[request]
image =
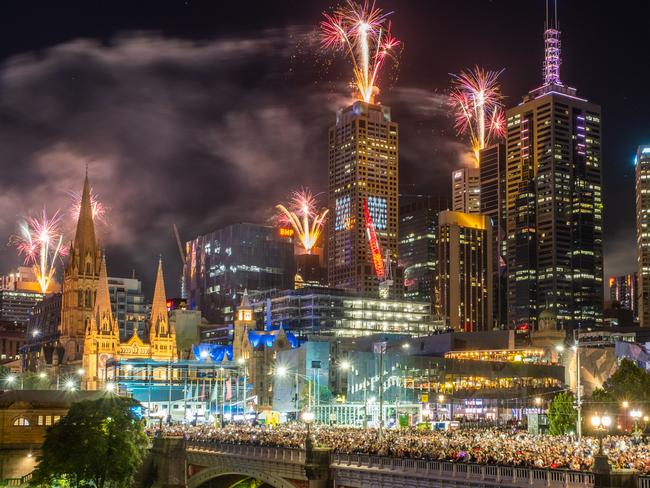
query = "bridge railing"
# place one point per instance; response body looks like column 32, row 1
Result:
column 508, row 475
column 282, row 454
column 644, row 482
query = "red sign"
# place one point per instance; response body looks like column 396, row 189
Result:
column 375, row 251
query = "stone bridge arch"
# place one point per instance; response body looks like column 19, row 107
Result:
column 224, row 469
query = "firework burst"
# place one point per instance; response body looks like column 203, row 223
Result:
column 98, row 209
column 303, row 216
column 477, row 103
column 41, row 243
column 362, row 32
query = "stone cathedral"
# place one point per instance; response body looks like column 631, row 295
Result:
column 89, row 334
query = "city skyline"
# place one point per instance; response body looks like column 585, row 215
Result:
column 188, row 104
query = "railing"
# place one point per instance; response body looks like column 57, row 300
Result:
column 508, row 475
column 16, row 481
column 283, row 454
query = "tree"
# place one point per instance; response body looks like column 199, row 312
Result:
column 98, row 443
column 562, row 415
column 629, row 382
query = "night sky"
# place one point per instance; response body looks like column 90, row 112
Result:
column 208, row 113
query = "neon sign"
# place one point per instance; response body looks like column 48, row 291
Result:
column 375, row 251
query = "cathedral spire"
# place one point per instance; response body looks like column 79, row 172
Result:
column 103, row 312
column 85, row 242
column 159, row 321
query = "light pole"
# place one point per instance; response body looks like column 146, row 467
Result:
column 282, row 372
column 601, row 424
column 576, row 350
column 636, row 415
column 308, row 418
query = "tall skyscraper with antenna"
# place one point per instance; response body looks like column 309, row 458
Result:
column 554, row 200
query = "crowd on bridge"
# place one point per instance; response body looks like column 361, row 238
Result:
column 483, row 446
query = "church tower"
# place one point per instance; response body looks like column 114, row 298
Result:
column 80, row 281
column 102, row 336
column 162, row 335
column 243, row 323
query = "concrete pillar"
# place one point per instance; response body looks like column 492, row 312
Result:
column 616, row 479
column 169, row 460
column 317, row 467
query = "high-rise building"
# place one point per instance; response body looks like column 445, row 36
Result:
column 493, row 205
column 466, row 190
column 643, row 232
column 554, row 202
column 623, row 290
column 465, row 256
column 129, row 306
column 418, row 245
column 24, row 279
column 222, row 264
column 17, row 306
column 363, row 170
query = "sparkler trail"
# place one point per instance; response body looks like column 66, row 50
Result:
column 41, row 242
column 477, row 103
column 362, row 32
column 302, row 215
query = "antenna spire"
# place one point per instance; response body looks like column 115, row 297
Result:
column 552, row 45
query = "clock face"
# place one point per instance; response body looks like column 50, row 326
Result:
column 102, row 359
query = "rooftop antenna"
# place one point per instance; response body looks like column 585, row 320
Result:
column 552, row 45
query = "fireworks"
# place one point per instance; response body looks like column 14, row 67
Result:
column 363, row 33
column 477, row 103
column 40, row 241
column 99, row 211
column 302, row 215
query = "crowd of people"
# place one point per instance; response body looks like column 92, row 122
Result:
column 483, row 446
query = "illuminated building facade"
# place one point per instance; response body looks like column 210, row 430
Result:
column 79, row 282
column 466, row 190
column 129, row 306
column 418, row 245
column 17, row 306
column 363, row 167
column 465, row 256
column 222, row 264
column 554, row 202
column 335, row 312
column 643, row 232
column 493, row 205
column 102, row 343
column 623, row 290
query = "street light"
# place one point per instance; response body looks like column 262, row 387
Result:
column 69, row 385
column 345, row 365
column 625, row 404
column 81, row 371
column 110, row 387
column 308, row 418
column 601, row 424
column 281, row 371
column 42, row 375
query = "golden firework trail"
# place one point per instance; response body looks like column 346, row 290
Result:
column 303, row 217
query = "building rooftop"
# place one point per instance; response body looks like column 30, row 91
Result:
column 48, row 398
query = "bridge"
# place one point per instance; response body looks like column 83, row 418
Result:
column 181, row 463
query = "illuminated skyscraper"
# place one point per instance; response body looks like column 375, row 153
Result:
column 363, row 163
column 624, row 291
column 465, row 256
column 466, row 190
column 493, row 206
column 554, row 202
column 418, row 245
column 643, row 232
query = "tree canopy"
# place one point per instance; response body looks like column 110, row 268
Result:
column 97, row 444
column 629, row 383
column 562, row 415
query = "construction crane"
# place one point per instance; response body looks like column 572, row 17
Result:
column 182, row 256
